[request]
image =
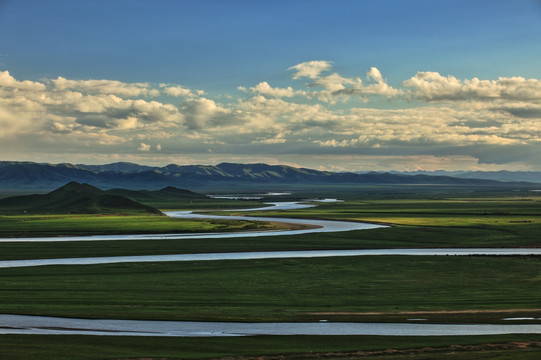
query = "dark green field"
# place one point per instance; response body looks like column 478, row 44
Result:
column 504, row 347
column 373, row 288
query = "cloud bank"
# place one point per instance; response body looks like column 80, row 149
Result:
column 321, row 114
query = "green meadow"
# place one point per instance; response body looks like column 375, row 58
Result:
column 416, row 220
column 92, row 224
column 503, row 347
column 366, row 288
column 447, row 289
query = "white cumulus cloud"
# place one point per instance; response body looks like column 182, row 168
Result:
column 144, row 147
column 263, row 88
column 323, row 116
column 202, row 113
column 106, row 87
column 310, row 69
column 177, row 91
column 432, row 86
column 374, row 74
column 8, row 81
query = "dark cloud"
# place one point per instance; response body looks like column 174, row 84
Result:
column 525, row 113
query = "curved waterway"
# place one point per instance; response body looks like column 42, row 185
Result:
column 39, row 325
column 281, row 205
column 266, row 255
column 316, row 226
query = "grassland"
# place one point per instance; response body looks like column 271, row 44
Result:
column 436, row 220
column 458, row 211
column 505, row 347
column 91, row 224
column 393, row 288
column 82, row 209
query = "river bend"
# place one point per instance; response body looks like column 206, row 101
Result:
column 315, row 226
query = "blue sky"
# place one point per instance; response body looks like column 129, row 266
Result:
column 338, row 85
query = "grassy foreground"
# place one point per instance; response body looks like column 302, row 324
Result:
column 373, row 288
column 504, row 347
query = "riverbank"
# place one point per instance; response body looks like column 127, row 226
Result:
column 64, row 347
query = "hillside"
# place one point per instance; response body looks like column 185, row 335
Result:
column 169, row 193
column 27, row 175
column 168, row 197
column 74, row 198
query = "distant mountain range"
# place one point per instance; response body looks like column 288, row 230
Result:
column 29, row 175
column 514, row 176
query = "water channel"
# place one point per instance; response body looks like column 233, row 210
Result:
column 41, row 325
column 266, row 255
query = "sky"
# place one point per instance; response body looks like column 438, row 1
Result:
column 332, row 85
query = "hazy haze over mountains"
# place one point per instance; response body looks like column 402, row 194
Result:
column 528, row 176
column 21, row 175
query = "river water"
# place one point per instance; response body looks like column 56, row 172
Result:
column 265, row 255
column 22, row 324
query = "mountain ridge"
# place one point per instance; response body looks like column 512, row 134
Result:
column 20, row 175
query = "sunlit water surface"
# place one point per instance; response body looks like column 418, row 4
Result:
column 20, row 324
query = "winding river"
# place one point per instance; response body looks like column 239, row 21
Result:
column 315, row 226
column 265, row 255
column 22, row 324
column 41, row 325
